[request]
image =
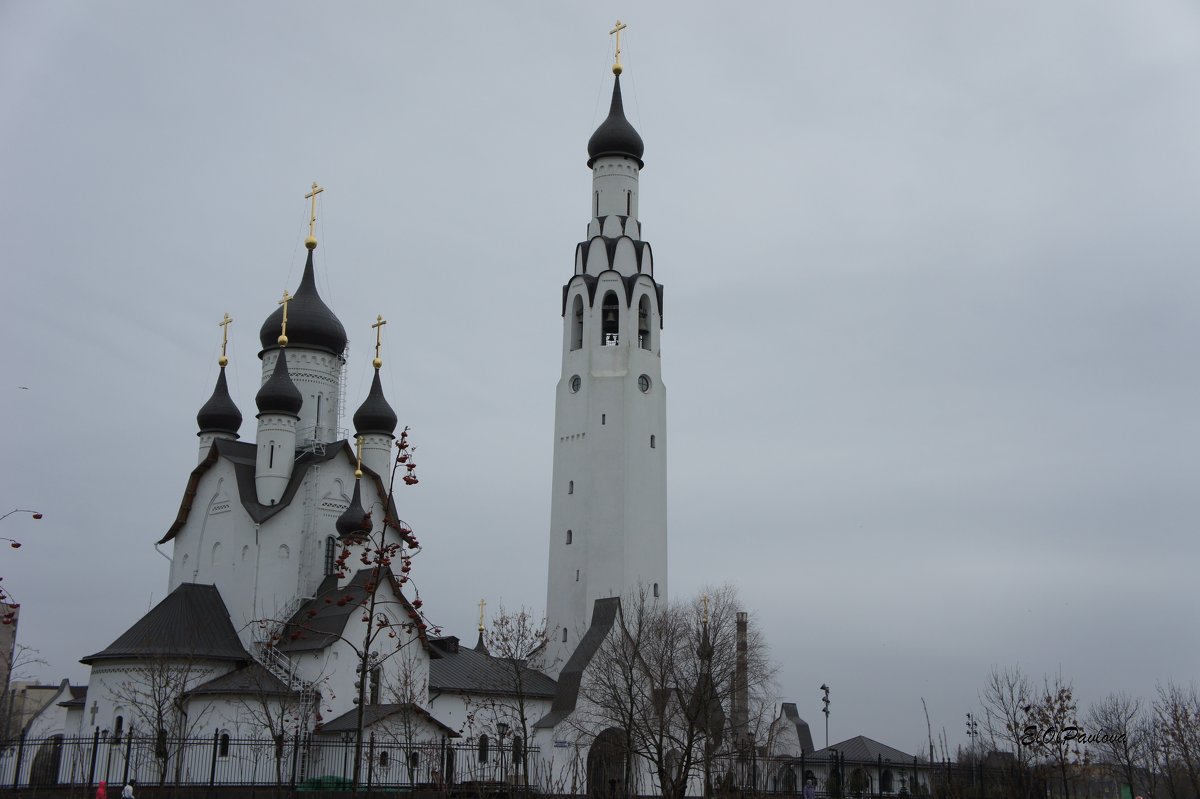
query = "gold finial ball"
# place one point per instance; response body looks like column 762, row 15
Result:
column 616, row 69
column 283, row 341
column 222, row 361
column 357, row 473
column 311, row 242
column 377, row 362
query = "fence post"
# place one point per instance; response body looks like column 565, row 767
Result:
column 92, row 768
column 212, row 770
column 128, row 754
column 20, row 756
column 295, row 756
column 370, row 761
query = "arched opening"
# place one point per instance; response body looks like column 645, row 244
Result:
column 786, row 779
column 651, row 441
column 330, row 555
column 656, row 590
column 564, row 635
column 385, row 759
column 483, row 749
column 223, row 745
column 610, row 324
column 577, row 323
column 118, row 728
column 606, row 778
column 859, row 783
column 886, row 781
column 47, row 761
column 644, row 339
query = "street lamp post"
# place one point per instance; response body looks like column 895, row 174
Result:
column 825, row 688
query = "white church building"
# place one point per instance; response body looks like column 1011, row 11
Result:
column 288, row 626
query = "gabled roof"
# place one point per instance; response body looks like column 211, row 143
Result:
column 462, row 670
column 242, row 454
column 604, row 615
column 78, row 694
column 373, row 714
column 252, row 679
column 320, row 621
column 192, row 622
column 862, row 749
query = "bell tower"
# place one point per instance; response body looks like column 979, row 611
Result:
column 608, row 512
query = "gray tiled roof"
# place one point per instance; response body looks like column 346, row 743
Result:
column 252, row 679
column 862, row 749
column 320, row 621
column 373, row 714
column 471, row 671
column 192, row 622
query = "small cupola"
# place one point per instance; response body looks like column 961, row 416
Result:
column 279, row 394
column 219, row 415
column 615, row 136
column 375, row 415
column 354, row 521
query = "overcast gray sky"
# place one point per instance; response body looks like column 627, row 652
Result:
column 931, row 334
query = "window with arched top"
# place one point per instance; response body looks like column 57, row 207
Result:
column 223, row 745
column 656, row 589
column 564, row 635
column 644, row 332
column 118, row 728
column 569, row 536
column 885, row 781
column 577, row 323
column 610, row 320
column 483, row 748
column 385, row 759
column 570, row 486
column 330, row 555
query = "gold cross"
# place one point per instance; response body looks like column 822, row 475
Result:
column 283, row 328
column 224, row 325
column 379, row 323
column 617, row 58
column 482, row 605
column 312, row 217
column 358, row 445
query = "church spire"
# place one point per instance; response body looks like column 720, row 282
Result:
column 375, row 421
column 616, row 136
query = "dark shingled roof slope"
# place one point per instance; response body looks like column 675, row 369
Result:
column 462, row 670
column 192, row 622
column 252, row 679
column 862, row 749
column 604, row 615
column 372, row 714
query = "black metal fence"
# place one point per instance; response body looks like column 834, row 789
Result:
column 305, row 762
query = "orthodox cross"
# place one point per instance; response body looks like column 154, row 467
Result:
column 617, row 58
column 482, row 605
column 224, row 325
column 378, row 326
column 95, row 710
column 312, row 217
column 283, row 330
column 705, row 600
column 358, row 445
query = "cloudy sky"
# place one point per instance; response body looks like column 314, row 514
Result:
column 932, row 324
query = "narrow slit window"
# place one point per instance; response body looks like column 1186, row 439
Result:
column 628, row 203
column 603, row 418
column 564, row 635
column 271, row 456
column 577, row 575
column 568, row 537
column 570, row 486
column 223, row 748
column 651, row 441
column 656, row 589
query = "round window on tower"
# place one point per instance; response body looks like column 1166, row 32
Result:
column 576, row 382
column 644, row 383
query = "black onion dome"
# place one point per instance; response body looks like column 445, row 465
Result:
column 279, row 394
column 354, row 520
column 310, row 323
column 219, row 414
column 616, row 136
column 375, row 415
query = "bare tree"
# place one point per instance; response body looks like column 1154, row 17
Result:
column 1177, row 710
column 513, row 638
column 154, row 691
column 1006, row 698
column 667, row 678
column 1118, row 735
column 1053, row 729
column 15, row 665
